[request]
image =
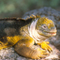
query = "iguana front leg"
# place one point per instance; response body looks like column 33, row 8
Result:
column 44, row 45
column 26, row 48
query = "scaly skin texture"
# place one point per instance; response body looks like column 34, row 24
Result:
column 27, row 36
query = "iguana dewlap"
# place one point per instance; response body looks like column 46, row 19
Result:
column 25, row 35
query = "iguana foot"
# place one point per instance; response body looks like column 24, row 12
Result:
column 45, row 46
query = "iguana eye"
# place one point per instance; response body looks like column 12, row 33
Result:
column 44, row 26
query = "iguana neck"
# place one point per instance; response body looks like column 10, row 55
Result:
column 33, row 32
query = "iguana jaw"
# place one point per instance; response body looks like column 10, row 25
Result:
column 52, row 33
column 48, row 33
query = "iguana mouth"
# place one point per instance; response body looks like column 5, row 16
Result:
column 52, row 32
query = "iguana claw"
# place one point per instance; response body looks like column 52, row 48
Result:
column 45, row 46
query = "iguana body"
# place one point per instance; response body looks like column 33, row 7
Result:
column 25, row 35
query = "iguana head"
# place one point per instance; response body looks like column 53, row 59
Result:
column 46, row 27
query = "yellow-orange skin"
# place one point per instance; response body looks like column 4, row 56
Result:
column 24, row 44
column 46, row 21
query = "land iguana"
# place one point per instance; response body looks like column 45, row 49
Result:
column 27, row 35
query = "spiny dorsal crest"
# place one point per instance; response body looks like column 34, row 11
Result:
column 33, row 17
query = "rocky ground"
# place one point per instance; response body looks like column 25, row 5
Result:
column 10, row 54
